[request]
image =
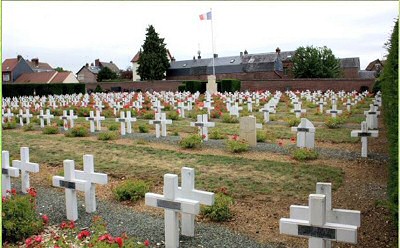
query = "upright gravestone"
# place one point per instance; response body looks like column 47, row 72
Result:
column 211, row 84
column 305, row 134
column 265, row 110
column 25, row 166
column 372, row 117
column 172, row 205
column 364, row 133
column 122, row 120
column 203, row 125
column 248, row 130
column 6, row 173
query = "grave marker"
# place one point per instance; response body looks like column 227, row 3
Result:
column 334, row 111
column 25, row 166
column 7, row 172
column 247, row 130
column 203, row 125
column 364, row 133
column 305, row 134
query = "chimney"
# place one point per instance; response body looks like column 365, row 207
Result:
column 97, row 62
column 277, row 50
column 110, row 62
column 245, row 52
column 19, row 57
column 215, row 55
column 35, row 61
column 173, row 59
column 199, row 54
column 241, row 54
column 194, row 58
column 87, row 65
column 91, row 64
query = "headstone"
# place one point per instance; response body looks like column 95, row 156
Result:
column 321, row 104
column 91, row 121
column 122, row 120
column 249, row 104
column 93, row 178
column 265, row 110
column 6, row 173
column 372, row 117
column 211, row 84
column 248, row 130
column 297, row 110
column 334, row 111
column 305, row 134
column 172, row 205
column 25, row 166
column 348, row 104
column 98, row 120
column 364, row 133
column 234, row 110
column 203, row 125
column 71, row 185
column 317, row 227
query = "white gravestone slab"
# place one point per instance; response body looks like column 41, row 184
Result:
column 25, row 166
column 98, row 120
column 372, row 117
column 211, row 84
column 364, row 133
column 248, row 132
column 305, row 134
column 203, row 125
column 316, row 227
column 187, row 191
column 71, row 185
column 7, row 172
column 172, row 205
column 348, row 104
column 93, row 178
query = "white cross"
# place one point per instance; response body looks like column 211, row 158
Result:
column 203, row 125
column 321, row 104
column 317, row 227
column 334, row 111
column 207, row 105
column 25, row 166
column 122, row 120
column 91, row 121
column 372, row 117
column 265, row 110
column 364, row 133
column 249, row 104
column 7, row 115
column 99, row 106
column 6, row 173
column 172, row 205
column 160, row 120
column 228, row 102
column 71, row 185
column 181, row 108
column 157, row 106
column 348, row 104
column 297, row 110
column 93, row 178
column 98, row 120
column 187, row 191
column 27, row 116
column 305, row 134
column 46, row 117
column 234, row 110
column 71, row 117
column 117, row 107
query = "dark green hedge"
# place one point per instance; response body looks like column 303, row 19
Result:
column 390, row 89
column 10, row 90
column 230, row 85
column 182, row 88
column 194, row 85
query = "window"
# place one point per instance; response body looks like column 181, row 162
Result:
column 6, row 77
column 81, row 77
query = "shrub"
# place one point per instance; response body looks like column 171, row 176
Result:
column 311, row 105
column 193, row 86
column 191, row 141
column 10, row 90
column 108, row 136
column 10, row 125
column 149, row 115
column 143, row 128
column 19, row 218
column 226, row 118
column 303, row 154
column 83, row 111
column 50, row 130
column 230, row 85
column 131, row 190
column 261, row 136
column 175, row 133
column 220, row 211
column 237, row 146
column 77, row 131
column 28, row 127
column 108, row 113
column 216, row 134
column 113, row 127
column 292, row 122
column 182, row 88
column 173, row 115
column 333, row 122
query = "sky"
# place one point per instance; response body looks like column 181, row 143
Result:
column 71, row 34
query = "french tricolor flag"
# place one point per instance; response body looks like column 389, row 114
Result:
column 206, row 16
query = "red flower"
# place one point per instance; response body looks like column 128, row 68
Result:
column 28, row 242
column 38, row 239
column 45, row 219
column 106, row 237
column 146, row 242
column 235, row 137
column 63, row 225
column 13, row 191
column 56, row 246
column 32, row 192
column 3, row 199
column 83, row 234
column 119, row 241
column 71, row 225
column 292, row 139
column 203, row 136
column 280, row 143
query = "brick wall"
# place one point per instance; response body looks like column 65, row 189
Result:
column 251, row 85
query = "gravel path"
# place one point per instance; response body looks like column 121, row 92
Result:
column 120, row 218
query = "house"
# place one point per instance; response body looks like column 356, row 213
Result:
column 39, row 66
column 47, row 77
column 375, row 65
column 245, row 66
column 13, row 68
column 88, row 74
column 135, row 64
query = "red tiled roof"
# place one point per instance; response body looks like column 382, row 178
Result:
column 9, row 64
column 35, row 77
column 136, row 57
column 60, row 77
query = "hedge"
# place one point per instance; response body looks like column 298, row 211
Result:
column 390, row 89
column 11, row 90
column 230, row 85
column 194, row 85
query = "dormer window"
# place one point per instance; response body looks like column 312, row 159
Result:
column 232, row 60
column 184, row 65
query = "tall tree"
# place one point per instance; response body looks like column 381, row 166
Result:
column 153, row 61
column 315, row 62
column 106, row 73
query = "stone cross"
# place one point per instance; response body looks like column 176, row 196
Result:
column 6, row 173
column 190, row 103
column 157, row 106
column 234, row 110
column 71, row 117
column 181, row 109
column 99, row 106
column 203, row 125
column 372, row 117
column 71, row 185
column 265, row 110
column 172, row 205
column 228, row 101
column 334, row 111
column 93, row 178
column 7, row 115
column 122, row 120
column 317, row 226
column 297, row 110
column 117, row 107
column 98, row 120
column 46, row 117
column 348, row 104
column 160, row 120
column 364, row 133
column 321, row 104
column 187, row 191
column 27, row 116
column 25, row 166
column 207, row 105
column 248, row 130
column 305, row 134
column 91, row 121
column 249, row 104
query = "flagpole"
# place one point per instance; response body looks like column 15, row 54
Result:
column 212, row 41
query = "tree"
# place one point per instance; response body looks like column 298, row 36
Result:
column 153, row 61
column 390, row 106
column 59, row 69
column 106, row 73
column 315, row 62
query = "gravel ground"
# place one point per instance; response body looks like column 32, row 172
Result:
column 120, row 218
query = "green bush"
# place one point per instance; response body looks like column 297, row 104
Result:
column 173, row 115
column 19, row 218
column 28, row 127
column 77, row 131
column 261, row 136
column 10, row 125
column 230, row 85
column 148, row 115
column 220, row 211
column 107, row 136
column 50, row 130
column 11, row 90
column 143, row 128
column 334, row 122
column 182, row 88
column 293, row 122
column 226, row 118
column 303, row 154
column 216, row 134
column 193, row 86
column 237, row 146
column 311, row 105
column 113, row 127
column 191, row 141
column 131, row 190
